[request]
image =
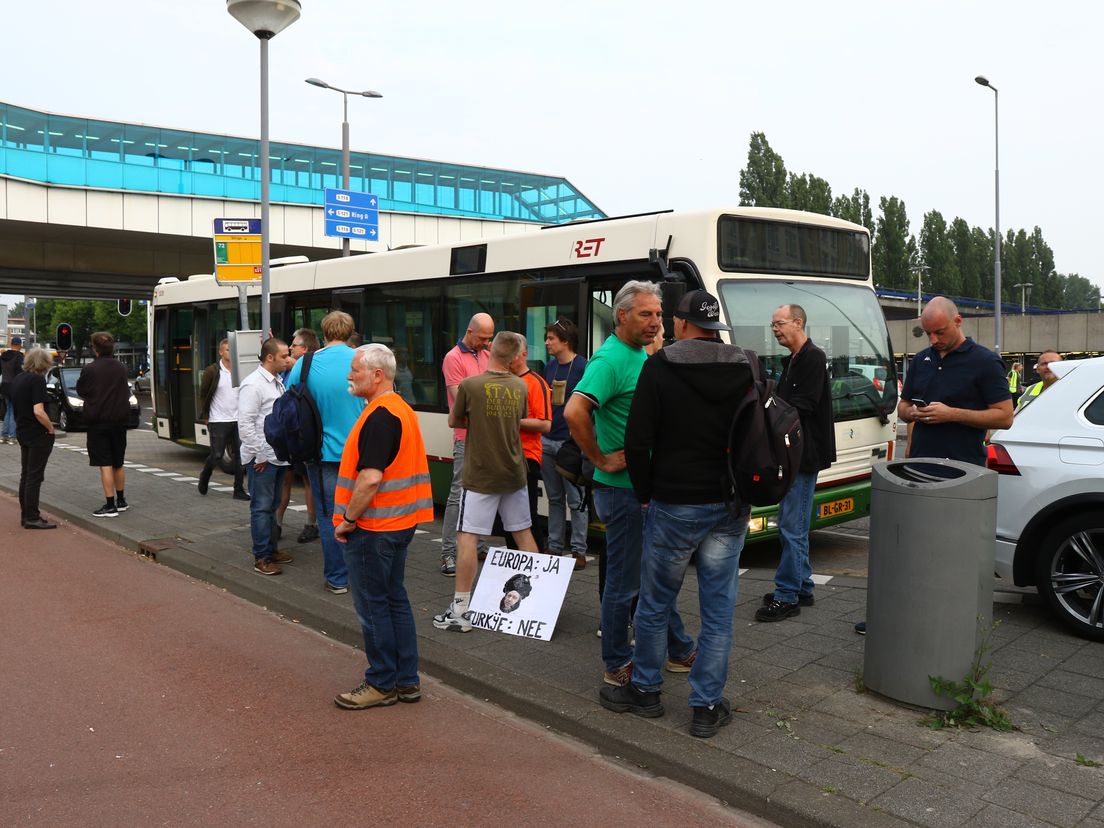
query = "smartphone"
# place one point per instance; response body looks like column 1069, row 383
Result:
column 919, row 403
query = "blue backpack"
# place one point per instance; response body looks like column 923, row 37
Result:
column 294, row 428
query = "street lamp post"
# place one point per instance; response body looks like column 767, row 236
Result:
column 1023, row 286
column 918, row 268
column 266, row 19
column 984, row 81
column 345, row 93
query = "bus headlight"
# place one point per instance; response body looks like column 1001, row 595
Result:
column 757, row 525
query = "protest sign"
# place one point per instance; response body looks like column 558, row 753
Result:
column 520, row 593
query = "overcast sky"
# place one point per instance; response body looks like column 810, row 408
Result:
column 642, row 105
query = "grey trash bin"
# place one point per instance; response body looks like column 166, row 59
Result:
column 932, row 529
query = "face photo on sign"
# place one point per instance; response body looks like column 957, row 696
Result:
column 514, row 591
column 520, row 593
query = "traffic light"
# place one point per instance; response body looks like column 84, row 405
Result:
column 64, row 336
column 124, row 307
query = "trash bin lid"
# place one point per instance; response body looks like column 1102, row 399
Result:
column 936, row 477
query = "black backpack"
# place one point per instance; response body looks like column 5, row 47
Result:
column 294, row 428
column 764, row 444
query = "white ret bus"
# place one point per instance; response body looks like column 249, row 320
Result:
column 418, row 301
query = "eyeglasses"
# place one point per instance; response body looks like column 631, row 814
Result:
column 776, row 325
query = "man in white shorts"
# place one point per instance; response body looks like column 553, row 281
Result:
column 491, row 407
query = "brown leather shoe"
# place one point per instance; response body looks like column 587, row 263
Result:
column 411, row 694
column 281, row 557
column 619, row 677
column 580, row 561
column 265, row 566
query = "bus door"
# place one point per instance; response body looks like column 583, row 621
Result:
column 182, row 391
column 542, row 303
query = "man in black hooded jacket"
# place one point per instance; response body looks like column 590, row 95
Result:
column 675, row 446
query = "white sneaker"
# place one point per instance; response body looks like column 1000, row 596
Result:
column 447, row 621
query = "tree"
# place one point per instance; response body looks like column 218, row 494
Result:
column 970, row 260
column 891, row 244
column 88, row 316
column 810, row 193
column 1080, row 293
column 763, row 180
column 938, row 254
column 855, row 208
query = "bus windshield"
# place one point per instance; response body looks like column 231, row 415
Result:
column 844, row 321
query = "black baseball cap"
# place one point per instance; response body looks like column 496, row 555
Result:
column 701, row 308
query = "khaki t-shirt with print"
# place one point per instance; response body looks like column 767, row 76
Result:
column 494, row 404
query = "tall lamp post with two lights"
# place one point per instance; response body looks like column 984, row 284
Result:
column 984, row 81
column 265, row 19
column 345, row 93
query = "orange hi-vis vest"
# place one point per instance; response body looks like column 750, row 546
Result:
column 404, row 498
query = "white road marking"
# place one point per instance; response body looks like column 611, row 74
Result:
column 150, row 469
column 821, row 579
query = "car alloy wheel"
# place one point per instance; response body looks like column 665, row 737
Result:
column 1070, row 573
column 63, row 420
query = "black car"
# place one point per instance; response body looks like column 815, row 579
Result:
column 64, row 405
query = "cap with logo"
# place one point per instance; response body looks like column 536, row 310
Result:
column 701, row 308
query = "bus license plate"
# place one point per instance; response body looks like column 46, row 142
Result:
column 834, row 508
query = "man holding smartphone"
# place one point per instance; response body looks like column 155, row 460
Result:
column 955, row 390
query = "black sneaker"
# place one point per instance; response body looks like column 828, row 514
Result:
column 106, row 511
column 777, row 611
column 628, row 699
column 204, row 481
column 803, row 599
column 860, row 628
column 241, row 496
column 309, row 533
column 708, row 720
column 121, row 505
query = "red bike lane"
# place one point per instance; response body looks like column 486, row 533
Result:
column 132, row 694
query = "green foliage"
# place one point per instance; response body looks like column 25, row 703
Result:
column 938, row 254
column 891, row 245
column 88, row 316
column 1085, row 762
column 763, row 181
column 959, row 257
column 971, row 695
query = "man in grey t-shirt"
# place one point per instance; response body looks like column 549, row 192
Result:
column 491, row 407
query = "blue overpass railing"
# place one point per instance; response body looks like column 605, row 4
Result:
column 83, row 152
column 964, row 302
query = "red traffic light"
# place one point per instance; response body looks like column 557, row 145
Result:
column 64, row 336
column 124, row 307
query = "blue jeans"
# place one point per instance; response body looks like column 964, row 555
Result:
column 265, row 488
column 9, row 420
column 560, row 492
column 377, row 564
column 672, row 533
column 624, row 518
column 795, row 512
column 452, row 506
column 323, row 483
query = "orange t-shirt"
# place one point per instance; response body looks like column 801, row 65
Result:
column 540, row 408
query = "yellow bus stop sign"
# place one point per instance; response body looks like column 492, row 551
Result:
column 237, row 251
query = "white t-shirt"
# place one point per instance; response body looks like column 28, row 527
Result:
column 224, row 405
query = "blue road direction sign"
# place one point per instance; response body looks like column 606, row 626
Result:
column 352, row 215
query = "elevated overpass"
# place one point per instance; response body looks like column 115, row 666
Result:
column 92, row 208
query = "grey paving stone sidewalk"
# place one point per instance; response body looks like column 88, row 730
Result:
column 805, row 746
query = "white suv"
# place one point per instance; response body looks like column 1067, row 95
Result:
column 1050, row 496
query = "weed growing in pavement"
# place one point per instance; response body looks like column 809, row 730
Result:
column 975, row 708
column 829, row 789
column 782, row 722
column 1086, row 762
column 860, row 685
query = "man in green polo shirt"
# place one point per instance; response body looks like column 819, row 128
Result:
column 605, row 392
